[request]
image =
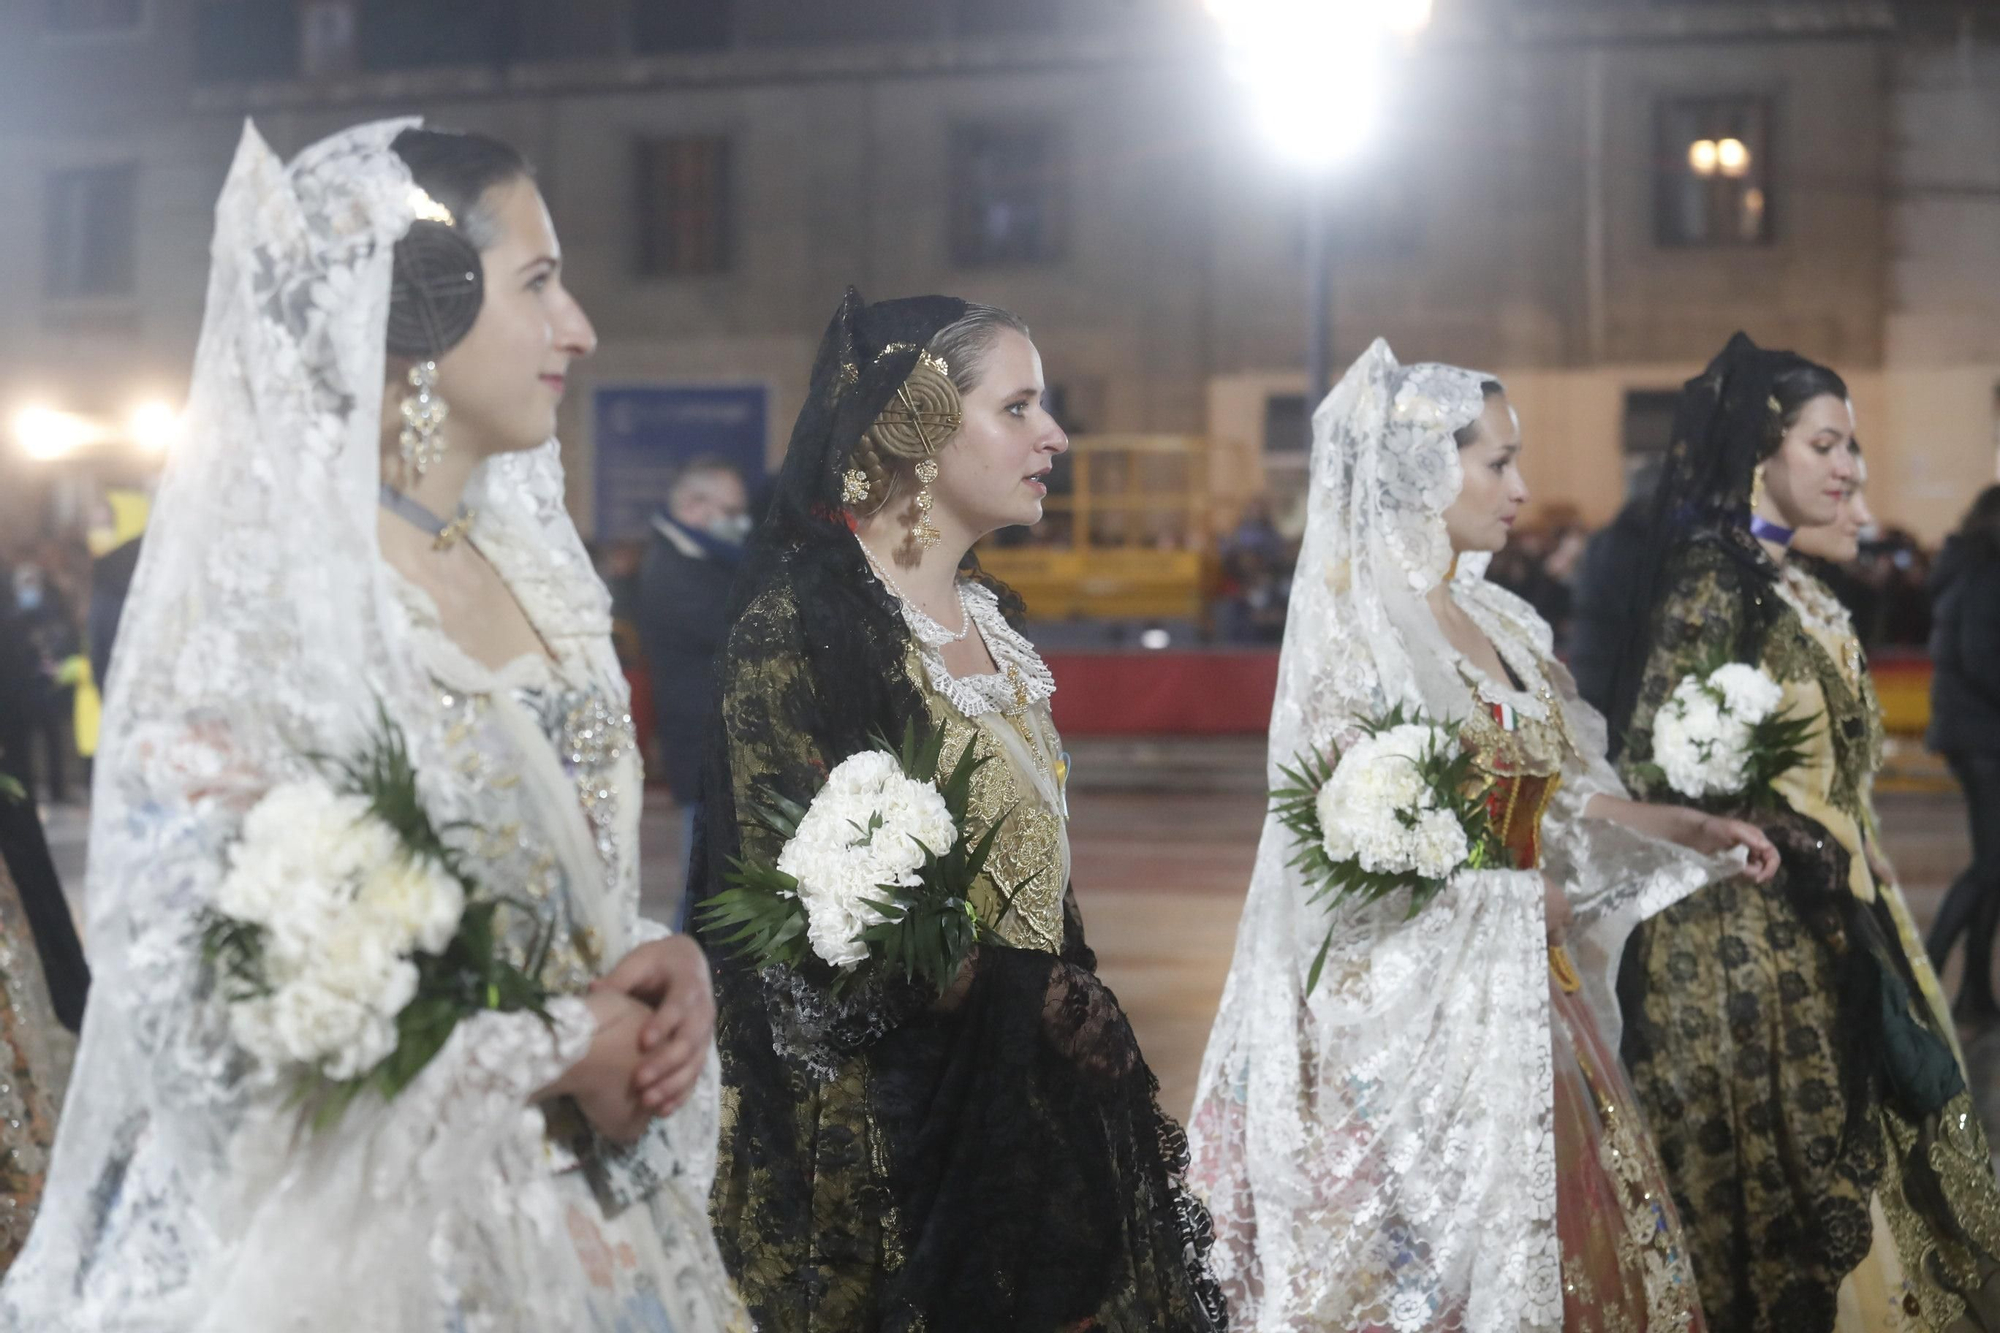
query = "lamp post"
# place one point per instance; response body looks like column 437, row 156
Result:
column 1319, row 298
column 1313, row 70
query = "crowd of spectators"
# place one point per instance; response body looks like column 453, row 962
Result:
column 1573, row 575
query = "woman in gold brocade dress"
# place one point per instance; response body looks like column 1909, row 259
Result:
column 1788, row 1041
column 1436, row 1137
column 892, row 1158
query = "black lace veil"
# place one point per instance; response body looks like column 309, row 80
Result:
column 1014, row 1141
column 1728, row 421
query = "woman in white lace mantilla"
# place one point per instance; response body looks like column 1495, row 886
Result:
column 1438, row 1137
column 326, row 545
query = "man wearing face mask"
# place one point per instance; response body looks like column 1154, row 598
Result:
column 48, row 636
column 682, row 613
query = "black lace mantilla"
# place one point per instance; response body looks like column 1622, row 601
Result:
column 894, row 1161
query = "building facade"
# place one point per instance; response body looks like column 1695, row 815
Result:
column 1585, row 197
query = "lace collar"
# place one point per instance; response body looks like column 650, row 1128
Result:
column 1815, row 602
column 1825, row 618
column 1537, row 701
column 1023, row 679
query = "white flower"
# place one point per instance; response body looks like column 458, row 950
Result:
column 864, row 834
column 342, row 906
column 1748, row 692
column 359, row 959
column 418, row 897
column 1702, row 737
column 308, row 820
column 318, row 1027
column 1440, row 844
column 1378, row 785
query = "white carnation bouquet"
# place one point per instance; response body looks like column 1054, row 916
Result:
column 346, row 938
column 877, row 868
column 1721, row 736
column 1399, row 808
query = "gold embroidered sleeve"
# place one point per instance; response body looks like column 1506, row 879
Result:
column 764, row 689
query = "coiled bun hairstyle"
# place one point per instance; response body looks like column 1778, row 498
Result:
column 890, row 449
column 438, row 282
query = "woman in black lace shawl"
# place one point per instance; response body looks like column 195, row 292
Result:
column 991, row 1159
column 1806, row 1095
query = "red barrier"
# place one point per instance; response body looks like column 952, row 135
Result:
column 1164, row 693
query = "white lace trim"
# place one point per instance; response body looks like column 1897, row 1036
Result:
column 1513, row 649
column 1023, row 679
column 1815, row 603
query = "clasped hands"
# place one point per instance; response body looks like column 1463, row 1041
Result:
column 655, row 1013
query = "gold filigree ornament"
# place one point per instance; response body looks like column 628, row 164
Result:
column 854, row 487
column 924, row 414
column 925, row 533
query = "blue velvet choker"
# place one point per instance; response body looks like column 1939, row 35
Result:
column 1765, row 530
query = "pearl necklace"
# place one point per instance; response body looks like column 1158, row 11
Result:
column 964, row 611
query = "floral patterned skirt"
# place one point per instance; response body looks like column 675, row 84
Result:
column 1625, row 1264
column 652, row 1268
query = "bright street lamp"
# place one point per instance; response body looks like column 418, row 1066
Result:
column 44, row 433
column 1315, row 72
column 154, row 426
column 1314, row 68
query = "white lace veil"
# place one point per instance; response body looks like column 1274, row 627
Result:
column 261, row 626
column 1380, row 1152
column 1384, row 469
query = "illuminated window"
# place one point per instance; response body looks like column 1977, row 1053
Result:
column 1712, row 171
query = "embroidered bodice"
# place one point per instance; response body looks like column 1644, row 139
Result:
column 1022, row 786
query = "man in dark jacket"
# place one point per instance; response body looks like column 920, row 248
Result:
column 1602, row 614
column 682, row 614
column 1965, row 729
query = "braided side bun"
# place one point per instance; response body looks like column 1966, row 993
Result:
column 915, row 425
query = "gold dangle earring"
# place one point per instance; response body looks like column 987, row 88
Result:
column 925, row 534
column 924, row 415
column 854, row 488
column 424, row 412
column 1757, row 489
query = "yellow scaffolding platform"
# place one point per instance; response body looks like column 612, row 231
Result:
column 1129, row 539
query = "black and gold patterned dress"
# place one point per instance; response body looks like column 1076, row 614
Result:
column 1788, row 1041
column 992, row 1159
